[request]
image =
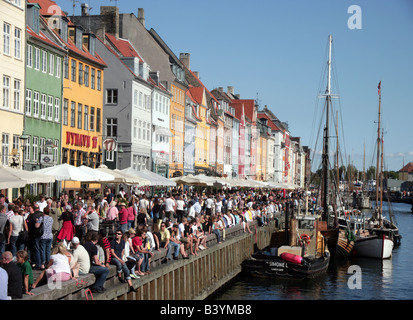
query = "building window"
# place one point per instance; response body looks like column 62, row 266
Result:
column 92, row 78
column 28, row 102
column 56, row 151
column 17, row 43
column 29, row 57
column 66, row 67
column 51, row 64
column 97, row 120
column 17, row 94
column 111, row 96
column 110, row 156
column 140, row 99
column 36, row 58
column 72, row 114
column 35, row 149
column 56, row 109
column 79, row 115
column 140, row 130
column 5, row 149
column 44, row 61
column 86, row 76
column 58, row 66
column 112, row 127
column 27, row 147
column 65, row 111
column 148, row 131
column 92, row 119
column 6, row 38
column 144, row 131
column 86, row 118
column 99, row 84
column 80, row 73
column 36, row 97
column 6, row 92
column 73, row 70
column 43, row 107
column 50, row 108
column 135, row 125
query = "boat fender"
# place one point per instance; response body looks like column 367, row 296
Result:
column 291, row 257
column 305, row 238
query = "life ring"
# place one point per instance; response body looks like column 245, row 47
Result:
column 306, row 238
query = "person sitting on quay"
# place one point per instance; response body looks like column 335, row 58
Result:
column 179, row 247
column 137, row 245
column 165, row 241
column 15, row 279
column 26, row 270
column 117, row 251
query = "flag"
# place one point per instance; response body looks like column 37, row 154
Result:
column 379, row 87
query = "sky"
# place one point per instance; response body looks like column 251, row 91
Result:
column 276, row 52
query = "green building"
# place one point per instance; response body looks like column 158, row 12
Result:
column 43, row 95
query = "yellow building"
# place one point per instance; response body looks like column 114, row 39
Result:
column 202, row 134
column 177, row 125
column 12, row 73
column 83, row 94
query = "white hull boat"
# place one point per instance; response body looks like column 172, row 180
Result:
column 374, row 247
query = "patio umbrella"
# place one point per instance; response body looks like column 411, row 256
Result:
column 146, row 180
column 66, row 172
column 165, row 181
column 99, row 176
column 16, row 178
column 120, row 177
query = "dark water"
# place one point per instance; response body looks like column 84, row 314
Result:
column 380, row 280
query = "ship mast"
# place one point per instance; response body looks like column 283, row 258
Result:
column 326, row 133
column 378, row 155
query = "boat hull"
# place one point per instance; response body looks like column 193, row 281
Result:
column 374, row 247
column 264, row 265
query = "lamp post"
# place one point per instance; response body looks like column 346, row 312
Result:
column 23, row 139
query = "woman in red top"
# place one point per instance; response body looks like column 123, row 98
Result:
column 123, row 217
column 131, row 215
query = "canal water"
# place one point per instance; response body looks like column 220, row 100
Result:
column 374, row 280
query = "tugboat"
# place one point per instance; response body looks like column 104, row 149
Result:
column 303, row 253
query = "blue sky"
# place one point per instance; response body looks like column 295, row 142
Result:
column 276, row 51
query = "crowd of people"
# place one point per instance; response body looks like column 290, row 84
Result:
column 70, row 236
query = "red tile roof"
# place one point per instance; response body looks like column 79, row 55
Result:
column 407, row 168
column 271, row 124
column 48, row 8
column 197, row 93
column 42, row 37
column 124, row 47
column 249, row 106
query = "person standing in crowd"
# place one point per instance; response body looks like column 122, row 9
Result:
column 18, row 224
column 15, row 282
column 180, row 208
column 92, row 219
column 99, row 270
column 79, row 220
column 56, row 213
column 170, row 207
column 67, row 231
column 46, row 238
column 131, row 215
column 123, row 217
column 42, row 203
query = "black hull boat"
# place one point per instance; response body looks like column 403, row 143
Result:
column 285, row 266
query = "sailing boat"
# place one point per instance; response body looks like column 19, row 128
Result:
column 376, row 241
column 338, row 242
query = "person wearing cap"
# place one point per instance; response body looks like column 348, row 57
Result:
column 123, row 217
column 80, row 256
column 68, row 230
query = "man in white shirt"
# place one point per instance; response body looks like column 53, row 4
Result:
column 208, row 205
column 170, row 205
column 42, row 203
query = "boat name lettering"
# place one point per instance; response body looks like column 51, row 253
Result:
column 277, row 264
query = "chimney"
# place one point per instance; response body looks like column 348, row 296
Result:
column 85, row 9
column 230, row 90
column 141, row 16
column 220, row 89
column 110, row 19
column 185, row 59
column 196, row 73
